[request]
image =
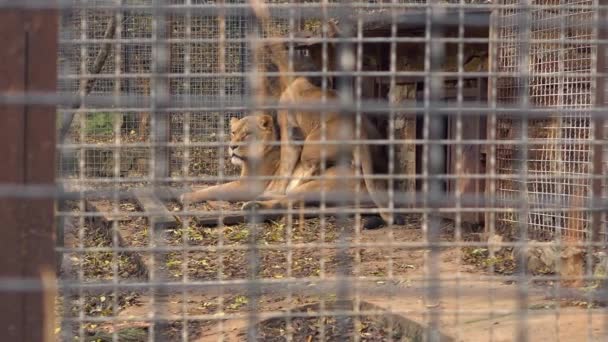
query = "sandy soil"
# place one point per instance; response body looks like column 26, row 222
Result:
column 472, row 305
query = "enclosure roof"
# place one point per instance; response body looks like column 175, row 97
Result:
column 378, row 23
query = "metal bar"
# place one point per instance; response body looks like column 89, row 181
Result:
column 159, row 163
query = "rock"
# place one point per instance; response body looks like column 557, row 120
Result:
column 600, row 271
column 572, row 266
column 546, row 258
column 538, row 259
column 399, row 123
column 494, row 244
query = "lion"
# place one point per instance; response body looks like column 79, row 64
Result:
column 252, row 149
column 306, row 125
column 298, row 160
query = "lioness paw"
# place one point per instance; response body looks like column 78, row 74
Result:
column 373, row 222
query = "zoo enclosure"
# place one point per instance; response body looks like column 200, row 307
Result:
column 120, row 140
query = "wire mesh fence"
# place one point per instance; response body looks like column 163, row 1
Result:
column 325, row 170
column 563, row 147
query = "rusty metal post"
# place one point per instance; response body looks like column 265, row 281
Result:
column 598, row 124
column 27, row 146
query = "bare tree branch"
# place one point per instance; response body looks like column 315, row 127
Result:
column 88, row 84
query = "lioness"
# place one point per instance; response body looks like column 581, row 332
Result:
column 249, row 145
column 254, row 128
column 297, row 124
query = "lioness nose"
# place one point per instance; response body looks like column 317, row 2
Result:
column 234, row 147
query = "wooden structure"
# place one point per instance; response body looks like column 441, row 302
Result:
column 27, row 147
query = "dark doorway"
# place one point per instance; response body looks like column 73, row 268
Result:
column 420, row 136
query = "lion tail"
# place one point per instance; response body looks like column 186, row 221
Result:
column 377, row 188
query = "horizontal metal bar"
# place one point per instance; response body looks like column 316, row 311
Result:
column 214, row 7
column 285, row 315
column 548, row 202
column 546, row 144
column 212, row 179
column 364, row 211
column 402, row 207
column 292, row 284
column 110, row 181
column 406, row 245
column 200, row 103
column 570, row 42
column 400, row 76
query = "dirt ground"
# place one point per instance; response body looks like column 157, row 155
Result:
column 473, row 305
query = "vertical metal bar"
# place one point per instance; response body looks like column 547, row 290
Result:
column 596, row 233
column 325, row 67
column 289, row 224
column 82, row 171
column 457, row 189
column 599, row 123
column 117, row 121
column 357, row 163
column 524, row 29
column 159, row 93
column 222, row 126
column 490, row 216
column 345, row 63
column 186, row 166
column 222, row 138
column 435, row 157
column 254, row 218
column 391, row 150
column 563, row 8
column 65, row 224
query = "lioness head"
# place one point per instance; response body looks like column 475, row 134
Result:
column 248, row 136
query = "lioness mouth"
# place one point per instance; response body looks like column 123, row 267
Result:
column 234, row 155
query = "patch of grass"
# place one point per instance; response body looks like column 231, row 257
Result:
column 195, row 235
column 237, row 302
column 200, row 265
column 237, row 234
column 101, row 304
column 366, row 328
column 100, row 123
column 134, row 334
column 275, row 232
column 502, row 261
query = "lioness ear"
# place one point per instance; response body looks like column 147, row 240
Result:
column 265, row 122
column 233, row 121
